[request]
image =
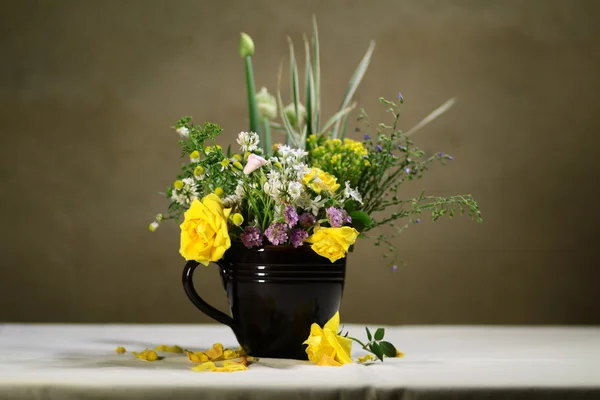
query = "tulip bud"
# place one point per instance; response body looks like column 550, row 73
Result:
column 266, row 103
column 246, row 45
column 254, row 163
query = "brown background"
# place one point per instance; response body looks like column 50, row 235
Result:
column 89, row 89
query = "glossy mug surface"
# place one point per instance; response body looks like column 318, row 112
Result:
column 275, row 293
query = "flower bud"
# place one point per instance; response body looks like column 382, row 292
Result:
column 246, row 45
column 219, row 192
column 266, row 104
column 254, row 163
column 237, row 219
column 178, row 184
column 183, row 131
column 194, row 156
column 290, row 112
column 153, row 226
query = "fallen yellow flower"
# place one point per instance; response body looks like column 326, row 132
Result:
column 147, row 355
column 169, row 349
column 120, row 350
column 198, row 357
column 326, row 347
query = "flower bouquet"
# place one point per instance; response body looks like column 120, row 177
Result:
column 280, row 210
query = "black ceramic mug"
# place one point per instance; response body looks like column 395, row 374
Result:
column 275, row 293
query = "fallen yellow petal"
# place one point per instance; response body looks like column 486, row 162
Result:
column 364, row 359
column 169, row 349
column 229, row 354
column 232, row 368
column 204, row 367
column 399, row 354
column 147, row 355
column 216, row 352
column 197, row 357
column 120, row 350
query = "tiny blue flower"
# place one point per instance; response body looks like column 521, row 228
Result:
column 417, row 221
column 407, row 170
column 367, row 137
column 450, row 157
column 394, row 268
column 401, row 98
column 378, row 148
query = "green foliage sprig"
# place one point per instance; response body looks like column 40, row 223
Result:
column 375, row 344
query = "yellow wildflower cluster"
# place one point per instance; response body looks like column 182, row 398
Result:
column 345, row 159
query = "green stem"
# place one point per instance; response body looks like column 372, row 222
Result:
column 252, row 108
column 267, row 136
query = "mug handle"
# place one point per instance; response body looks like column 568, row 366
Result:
column 188, row 286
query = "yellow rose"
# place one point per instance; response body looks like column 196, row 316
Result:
column 333, row 243
column 318, row 180
column 326, row 347
column 204, row 235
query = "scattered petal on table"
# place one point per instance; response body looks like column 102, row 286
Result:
column 147, row 355
column 230, row 354
column 169, row 349
column 365, row 358
column 198, row 357
column 216, row 352
column 120, row 350
column 399, row 354
column 205, row 367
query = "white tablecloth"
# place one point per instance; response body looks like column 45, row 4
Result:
column 79, row 362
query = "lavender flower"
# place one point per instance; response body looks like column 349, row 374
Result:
column 418, row 220
column 307, row 220
column 298, row 236
column 277, row 233
column 251, row 237
column 394, row 268
column 401, row 98
column 335, row 217
column 367, row 137
column 290, row 215
column 378, row 148
column 407, row 170
column 403, row 148
column 449, row 157
column 347, row 217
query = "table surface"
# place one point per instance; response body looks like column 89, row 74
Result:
column 446, row 362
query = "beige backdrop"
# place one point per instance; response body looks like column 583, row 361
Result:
column 89, row 89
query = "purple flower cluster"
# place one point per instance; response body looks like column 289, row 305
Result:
column 337, row 217
column 277, row 233
column 251, row 237
column 290, row 215
column 298, row 236
column 307, row 220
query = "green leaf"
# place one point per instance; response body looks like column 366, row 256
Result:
column 316, row 68
column 309, row 86
column 379, row 333
column 354, row 82
column 388, row 349
column 369, row 336
column 360, row 220
column 336, row 117
column 294, row 81
column 376, row 349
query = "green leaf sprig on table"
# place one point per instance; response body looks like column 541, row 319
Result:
column 376, row 345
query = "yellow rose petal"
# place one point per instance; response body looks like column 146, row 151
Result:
column 399, row 354
column 327, row 361
column 364, row 359
column 169, row 349
column 120, row 350
column 205, row 367
column 198, row 357
column 230, row 354
column 216, row 352
column 147, row 355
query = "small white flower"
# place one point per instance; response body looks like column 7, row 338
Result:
column 312, row 205
column 184, row 132
column 248, row 141
column 353, row 193
column 295, row 189
column 186, row 195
